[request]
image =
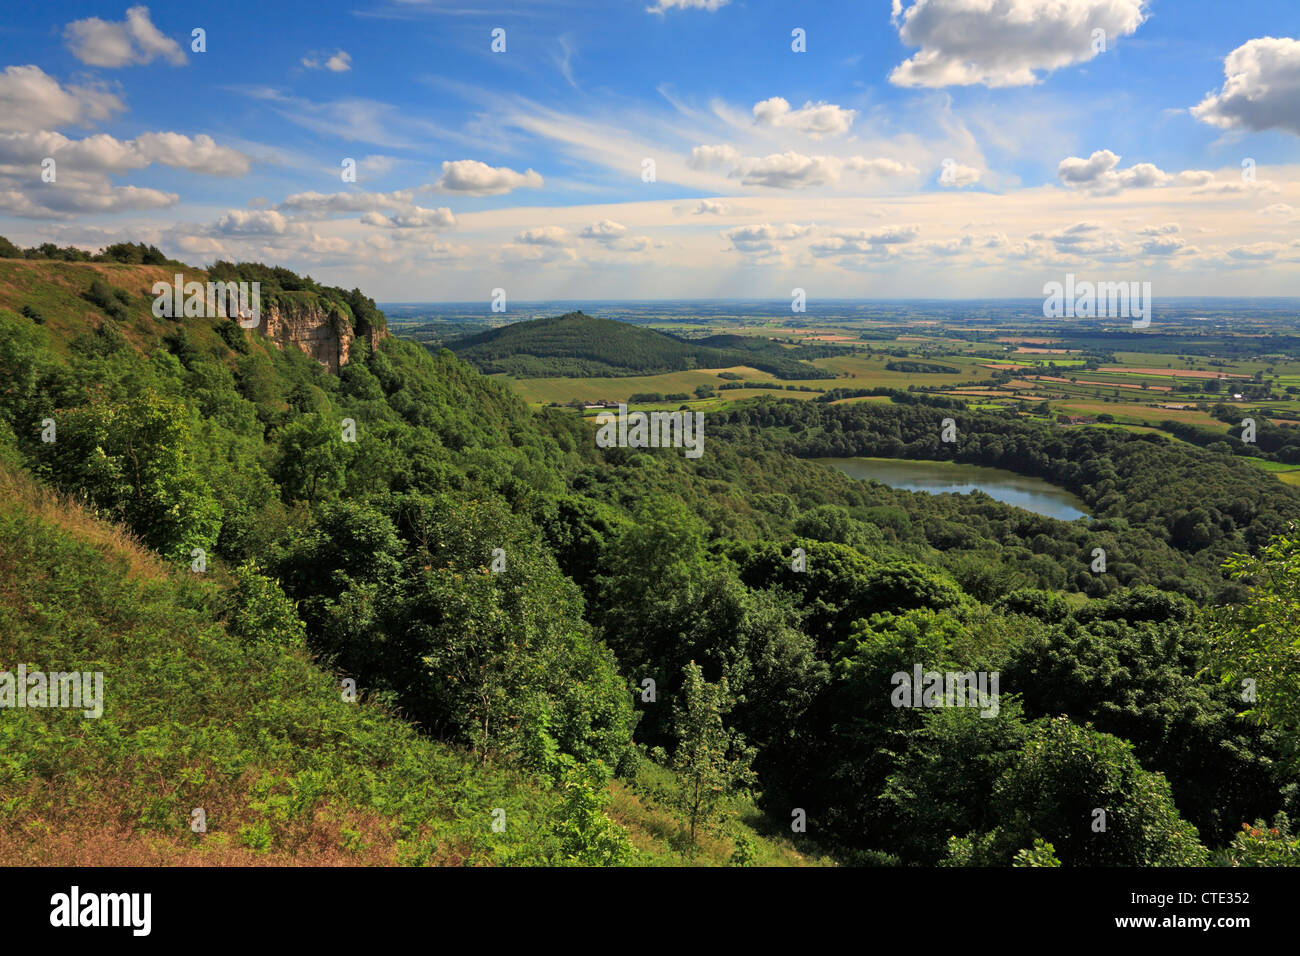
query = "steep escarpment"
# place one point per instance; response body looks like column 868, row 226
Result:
column 322, row 321
column 318, row 326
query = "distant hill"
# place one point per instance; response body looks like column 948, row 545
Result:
column 582, row 346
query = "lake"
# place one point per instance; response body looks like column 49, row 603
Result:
column 938, row 477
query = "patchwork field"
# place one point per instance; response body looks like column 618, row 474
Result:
column 1205, row 378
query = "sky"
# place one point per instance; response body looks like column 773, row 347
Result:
column 437, row 150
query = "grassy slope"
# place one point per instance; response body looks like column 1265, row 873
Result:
column 256, row 735
column 55, row 289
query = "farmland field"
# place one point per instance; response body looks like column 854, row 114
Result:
column 1196, row 376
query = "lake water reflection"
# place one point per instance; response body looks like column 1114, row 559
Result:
column 939, row 477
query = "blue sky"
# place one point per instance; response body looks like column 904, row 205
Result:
column 926, row 147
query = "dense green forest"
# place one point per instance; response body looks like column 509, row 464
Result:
column 553, row 626
column 582, row 346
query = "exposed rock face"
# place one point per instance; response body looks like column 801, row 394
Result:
column 316, row 326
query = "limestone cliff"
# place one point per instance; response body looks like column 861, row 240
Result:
column 317, row 326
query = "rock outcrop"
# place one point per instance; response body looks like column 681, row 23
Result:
column 315, row 325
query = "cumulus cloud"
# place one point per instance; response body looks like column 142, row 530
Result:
column 250, row 222
column 339, row 62
column 1082, row 239
column 199, row 154
column 761, row 239
column 704, row 157
column 133, row 42
column 32, row 100
column 1098, row 174
column 416, row 217
column 102, row 153
column 604, row 231
column 1003, row 42
column 791, row 170
column 815, row 119
column 83, row 168
column 613, row 236
column 1164, row 246
column 864, row 241
column 473, row 178
column 544, row 236
column 71, row 200
column 1261, row 88
column 1164, row 240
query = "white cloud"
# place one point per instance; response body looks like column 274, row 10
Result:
column 704, row 157
column 613, row 236
column 544, row 236
column 199, row 154
column 72, row 200
column 815, row 119
column 604, row 231
column 1086, row 239
column 250, row 222
column 864, row 241
column 416, row 217
column 83, row 167
column 789, row 170
column 31, row 100
column 878, row 166
column 479, row 179
column 1003, row 42
column 709, row 207
column 956, row 175
column 663, row 5
column 1164, row 246
column 102, row 153
column 323, row 205
column 761, row 240
column 133, row 42
column 339, row 62
column 1098, row 174
column 1261, row 88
